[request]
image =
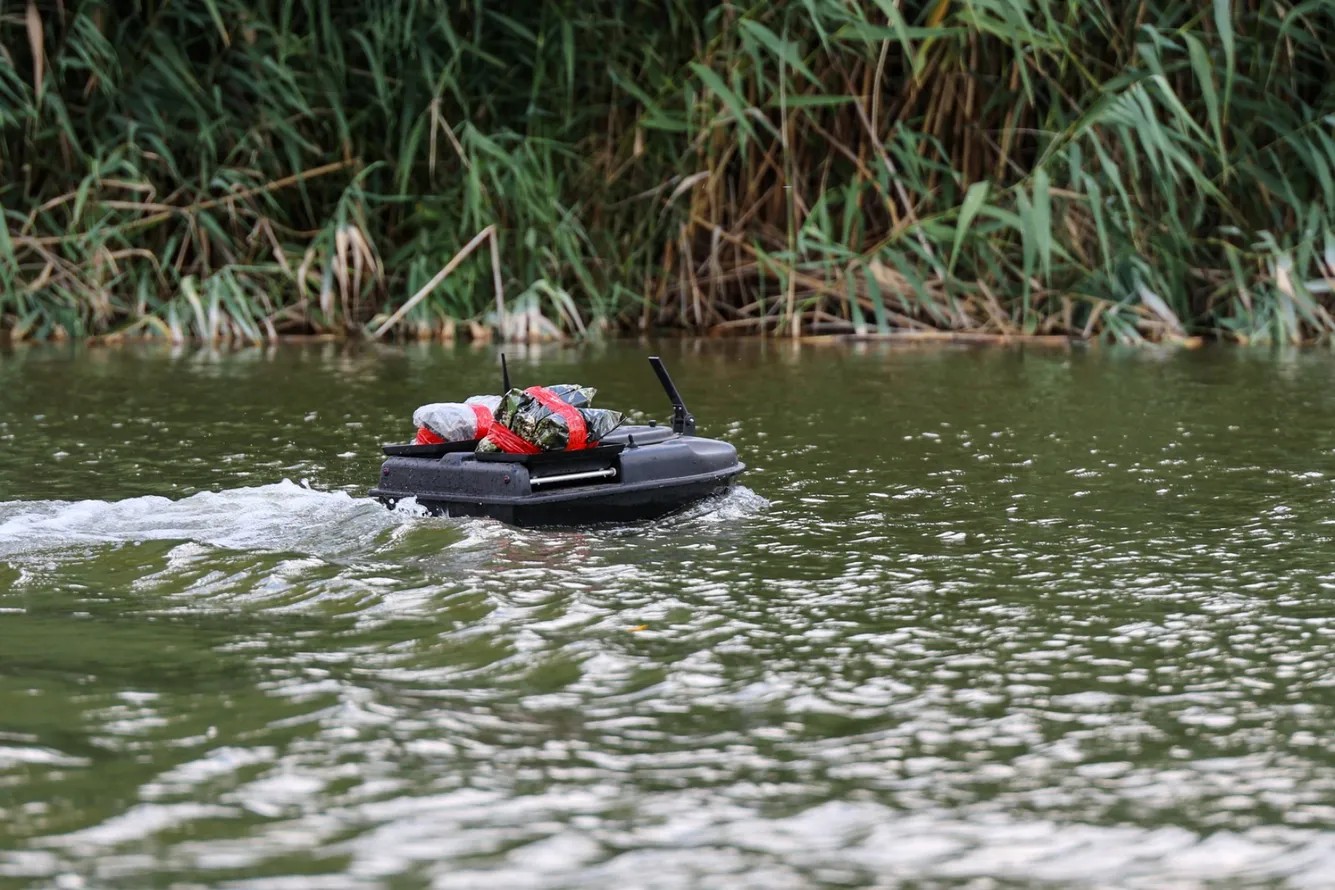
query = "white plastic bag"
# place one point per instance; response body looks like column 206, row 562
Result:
column 456, row 421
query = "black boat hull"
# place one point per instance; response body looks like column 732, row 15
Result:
column 614, row 508
column 639, row 474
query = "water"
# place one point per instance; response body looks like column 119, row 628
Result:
column 977, row 618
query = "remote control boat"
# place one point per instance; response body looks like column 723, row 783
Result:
column 629, row 474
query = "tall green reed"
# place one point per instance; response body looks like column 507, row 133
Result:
column 238, row 170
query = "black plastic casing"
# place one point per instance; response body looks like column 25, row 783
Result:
column 637, row 473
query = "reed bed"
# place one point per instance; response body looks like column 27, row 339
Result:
column 234, row 171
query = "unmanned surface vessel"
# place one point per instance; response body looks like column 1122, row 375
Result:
column 634, row 473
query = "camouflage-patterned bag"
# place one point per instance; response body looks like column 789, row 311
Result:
column 548, row 418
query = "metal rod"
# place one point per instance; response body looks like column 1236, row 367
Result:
column 605, row 473
column 668, row 386
column 682, row 421
column 505, row 376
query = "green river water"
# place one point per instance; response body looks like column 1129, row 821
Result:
column 975, row 618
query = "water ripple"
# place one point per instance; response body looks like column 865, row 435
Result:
column 966, row 632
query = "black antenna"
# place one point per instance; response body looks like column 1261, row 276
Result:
column 682, row 421
column 505, row 376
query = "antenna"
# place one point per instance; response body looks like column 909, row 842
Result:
column 682, row 421
column 505, row 376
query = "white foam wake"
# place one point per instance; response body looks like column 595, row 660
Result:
column 280, row 517
column 283, row 516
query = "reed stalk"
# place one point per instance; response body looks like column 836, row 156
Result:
column 236, row 171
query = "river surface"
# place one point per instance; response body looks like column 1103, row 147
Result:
column 976, row 618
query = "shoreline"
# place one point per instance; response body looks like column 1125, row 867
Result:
column 897, row 339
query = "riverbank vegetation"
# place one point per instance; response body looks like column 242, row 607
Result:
column 1096, row 169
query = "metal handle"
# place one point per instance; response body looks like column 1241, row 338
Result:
column 605, row 473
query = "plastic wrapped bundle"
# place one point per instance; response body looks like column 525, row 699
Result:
column 455, row 421
column 548, row 418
